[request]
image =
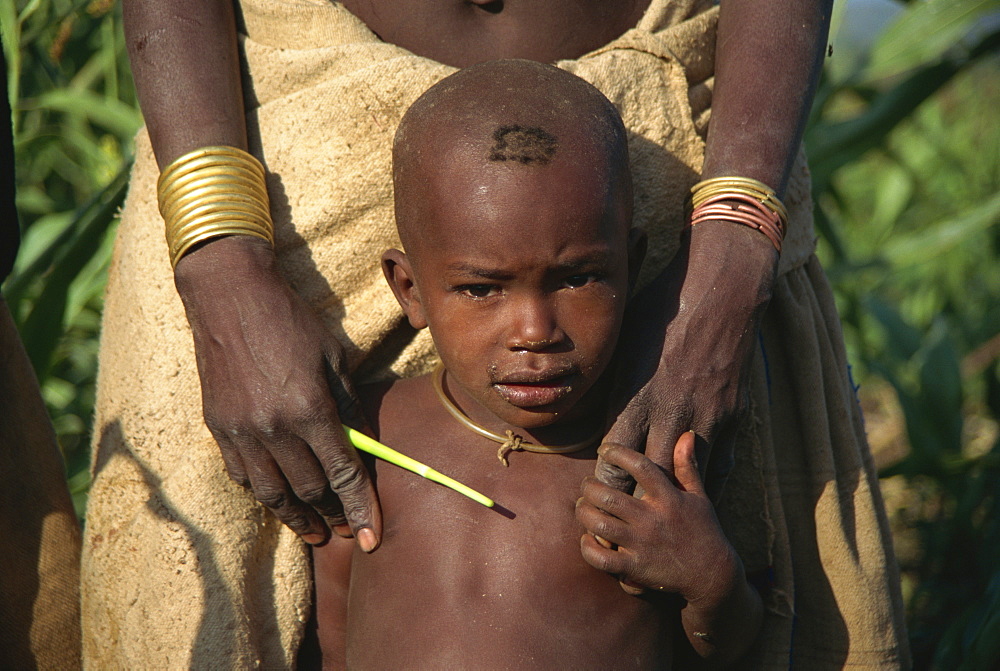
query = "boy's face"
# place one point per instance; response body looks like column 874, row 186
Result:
column 522, row 274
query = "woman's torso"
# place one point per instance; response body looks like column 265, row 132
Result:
column 463, row 32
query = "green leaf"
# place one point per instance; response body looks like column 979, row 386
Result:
column 114, row 115
column 981, row 645
column 89, row 284
column 41, row 329
column 924, row 34
column 39, row 240
column 895, row 189
column 833, row 145
column 937, row 239
column 58, row 393
column 79, row 485
column 32, row 198
column 38, row 252
column 902, row 339
column 855, row 26
column 941, row 387
column 10, row 35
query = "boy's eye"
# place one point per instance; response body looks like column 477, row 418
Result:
column 581, row 280
column 479, row 290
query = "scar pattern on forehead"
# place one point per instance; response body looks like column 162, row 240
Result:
column 524, row 144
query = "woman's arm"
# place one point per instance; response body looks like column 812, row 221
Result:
column 709, row 301
column 187, row 74
column 767, row 62
column 274, row 383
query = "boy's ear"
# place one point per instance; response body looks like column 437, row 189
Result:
column 399, row 274
column 637, row 242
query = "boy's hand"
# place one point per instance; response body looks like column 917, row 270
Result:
column 669, row 539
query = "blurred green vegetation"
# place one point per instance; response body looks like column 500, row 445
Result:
column 904, row 147
column 905, row 152
column 74, row 116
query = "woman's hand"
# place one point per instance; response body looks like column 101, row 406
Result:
column 684, row 353
column 274, row 391
column 685, row 349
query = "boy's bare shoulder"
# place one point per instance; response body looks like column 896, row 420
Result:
column 392, row 403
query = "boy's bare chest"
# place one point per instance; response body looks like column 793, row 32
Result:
column 532, row 526
column 532, row 523
column 535, row 494
column 507, row 586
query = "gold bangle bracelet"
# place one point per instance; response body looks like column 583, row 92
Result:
column 180, row 207
column 718, row 199
column 746, row 182
column 229, row 183
column 217, row 231
column 205, row 167
column 213, row 192
column 733, row 180
column 193, row 207
column 710, row 188
column 166, row 182
column 199, row 226
column 218, row 220
column 208, row 156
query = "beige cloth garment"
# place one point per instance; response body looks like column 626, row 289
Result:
column 183, row 569
column 39, row 582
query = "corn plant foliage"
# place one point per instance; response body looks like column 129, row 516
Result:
column 903, row 142
column 906, row 176
column 74, row 115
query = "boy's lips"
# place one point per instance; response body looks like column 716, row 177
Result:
column 534, row 389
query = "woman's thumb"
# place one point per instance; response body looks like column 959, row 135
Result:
column 686, row 465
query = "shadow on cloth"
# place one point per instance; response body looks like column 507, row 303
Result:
column 219, row 605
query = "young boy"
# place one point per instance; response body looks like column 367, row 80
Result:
column 513, row 202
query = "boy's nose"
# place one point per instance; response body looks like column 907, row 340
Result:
column 534, row 327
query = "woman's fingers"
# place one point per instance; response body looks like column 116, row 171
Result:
column 232, row 459
column 613, row 476
column 348, row 408
column 305, row 475
column 270, row 487
column 686, row 465
column 621, row 505
column 647, row 474
column 272, row 391
column 349, row 480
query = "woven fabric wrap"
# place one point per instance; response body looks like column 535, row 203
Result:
column 182, row 568
column 39, row 583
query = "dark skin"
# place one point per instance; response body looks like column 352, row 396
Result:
column 276, row 423
column 454, row 581
column 522, row 274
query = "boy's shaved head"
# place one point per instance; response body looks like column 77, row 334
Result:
column 514, row 202
column 512, row 115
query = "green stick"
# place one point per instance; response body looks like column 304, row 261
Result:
column 372, row 446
